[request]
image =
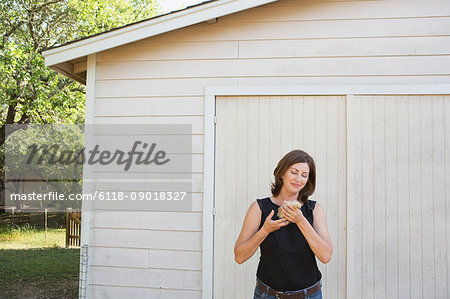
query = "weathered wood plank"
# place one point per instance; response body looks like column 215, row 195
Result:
column 150, row 239
column 154, row 278
column 290, row 67
column 119, row 292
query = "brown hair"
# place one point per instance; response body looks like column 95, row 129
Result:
column 291, row 158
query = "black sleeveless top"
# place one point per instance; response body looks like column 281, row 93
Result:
column 287, row 263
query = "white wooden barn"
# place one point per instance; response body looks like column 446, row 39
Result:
column 363, row 86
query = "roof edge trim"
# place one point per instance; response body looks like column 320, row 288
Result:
column 149, row 28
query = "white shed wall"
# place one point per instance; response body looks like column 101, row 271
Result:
column 162, row 79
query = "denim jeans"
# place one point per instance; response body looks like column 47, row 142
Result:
column 258, row 294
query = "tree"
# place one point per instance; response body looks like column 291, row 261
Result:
column 32, row 93
column 51, row 155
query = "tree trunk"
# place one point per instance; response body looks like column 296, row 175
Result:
column 9, row 120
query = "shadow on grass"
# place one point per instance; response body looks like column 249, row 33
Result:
column 39, row 273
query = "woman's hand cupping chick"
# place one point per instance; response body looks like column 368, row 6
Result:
column 290, row 210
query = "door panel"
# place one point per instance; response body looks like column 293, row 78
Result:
column 399, row 199
column 252, row 135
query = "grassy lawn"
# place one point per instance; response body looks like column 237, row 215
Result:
column 36, row 265
column 16, row 237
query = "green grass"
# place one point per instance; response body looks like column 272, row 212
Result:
column 38, row 264
column 27, row 237
column 35, row 264
column 28, row 254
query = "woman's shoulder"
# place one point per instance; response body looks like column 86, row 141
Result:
column 264, row 203
column 315, row 207
column 254, row 212
column 259, row 203
column 311, row 204
column 263, row 200
column 254, row 208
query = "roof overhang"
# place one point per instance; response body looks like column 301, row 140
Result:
column 70, row 59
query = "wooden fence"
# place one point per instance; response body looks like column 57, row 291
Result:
column 73, row 227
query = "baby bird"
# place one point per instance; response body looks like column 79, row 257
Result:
column 293, row 202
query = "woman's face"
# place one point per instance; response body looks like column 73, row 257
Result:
column 296, row 177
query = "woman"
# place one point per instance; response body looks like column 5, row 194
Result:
column 289, row 245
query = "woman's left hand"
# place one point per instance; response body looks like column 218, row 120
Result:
column 292, row 213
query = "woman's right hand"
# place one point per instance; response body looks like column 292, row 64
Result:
column 251, row 235
column 273, row 225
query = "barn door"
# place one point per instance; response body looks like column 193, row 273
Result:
column 252, row 134
column 399, row 196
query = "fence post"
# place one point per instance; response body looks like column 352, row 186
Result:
column 45, row 223
column 67, row 226
column 73, row 227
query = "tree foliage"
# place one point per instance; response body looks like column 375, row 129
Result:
column 31, row 92
column 52, row 155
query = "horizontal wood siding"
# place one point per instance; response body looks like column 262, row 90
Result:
column 186, row 221
column 146, row 258
column 144, row 278
column 114, row 292
column 154, row 239
column 290, row 42
column 162, row 80
column 148, row 106
column 289, row 67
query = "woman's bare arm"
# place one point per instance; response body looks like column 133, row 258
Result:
column 251, row 237
column 317, row 235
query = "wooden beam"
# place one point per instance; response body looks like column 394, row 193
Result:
column 80, row 67
column 66, row 69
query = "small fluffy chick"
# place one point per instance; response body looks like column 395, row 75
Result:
column 294, row 202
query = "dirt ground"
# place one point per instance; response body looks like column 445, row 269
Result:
column 61, row 289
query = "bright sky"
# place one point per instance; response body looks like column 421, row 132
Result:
column 171, row 5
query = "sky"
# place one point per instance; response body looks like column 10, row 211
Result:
column 171, row 5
